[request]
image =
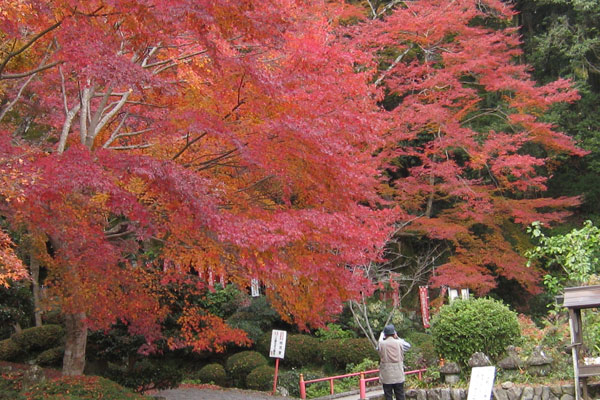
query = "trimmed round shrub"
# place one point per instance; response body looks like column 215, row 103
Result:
column 212, row 373
column 263, row 344
column 301, row 350
column 468, row 326
column 81, row 387
column 341, row 352
column 261, row 378
column 239, row 365
column 39, row 338
column 51, row 357
column 9, row 350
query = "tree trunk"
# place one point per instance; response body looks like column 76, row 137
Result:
column 34, row 264
column 76, row 340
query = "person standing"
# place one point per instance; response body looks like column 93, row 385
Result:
column 391, row 362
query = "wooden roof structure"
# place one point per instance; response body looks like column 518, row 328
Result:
column 576, row 299
column 582, row 297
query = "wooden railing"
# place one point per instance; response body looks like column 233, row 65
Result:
column 362, row 382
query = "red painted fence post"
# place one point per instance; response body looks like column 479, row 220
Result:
column 302, row 387
column 362, row 387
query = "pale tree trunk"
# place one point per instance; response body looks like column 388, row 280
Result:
column 34, row 264
column 76, row 340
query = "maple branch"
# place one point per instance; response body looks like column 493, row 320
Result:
column 107, row 118
column 215, row 161
column 67, row 127
column 12, row 103
column 188, row 144
column 396, row 61
column 116, row 135
column 28, row 73
column 173, row 62
column 27, row 45
column 258, row 182
column 130, row 147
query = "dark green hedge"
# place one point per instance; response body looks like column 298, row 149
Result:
column 261, row 378
column 212, row 373
column 239, row 365
column 302, row 350
column 341, row 352
column 39, row 338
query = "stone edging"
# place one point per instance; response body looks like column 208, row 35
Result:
column 504, row 391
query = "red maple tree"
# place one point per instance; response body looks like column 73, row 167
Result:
column 233, row 136
column 467, row 152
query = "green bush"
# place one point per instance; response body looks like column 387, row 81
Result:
column 468, row 326
column 301, row 350
column 422, row 352
column 212, row 373
column 333, row 331
column 9, row 350
column 146, row 375
column 39, row 338
column 290, row 380
column 261, row 378
column 239, row 365
column 81, row 387
column 263, row 344
column 341, row 352
column 51, row 357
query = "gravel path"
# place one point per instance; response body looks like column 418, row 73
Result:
column 216, row 394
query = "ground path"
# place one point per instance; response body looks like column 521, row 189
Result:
column 196, row 393
column 193, row 393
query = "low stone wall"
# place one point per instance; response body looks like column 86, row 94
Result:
column 505, row 391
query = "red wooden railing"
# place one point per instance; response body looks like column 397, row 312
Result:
column 362, row 383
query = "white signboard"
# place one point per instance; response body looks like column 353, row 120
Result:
column 254, row 289
column 278, row 343
column 481, row 383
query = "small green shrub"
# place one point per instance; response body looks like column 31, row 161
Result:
column 468, row 326
column 261, row 378
column 290, row 379
column 146, row 375
column 9, row 350
column 333, row 331
column 51, row 357
column 301, row 350
column 212, row 373
column 81, row 387
column 39, row 338
column 422, row 352
column 341, row 352
column 239, row 365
